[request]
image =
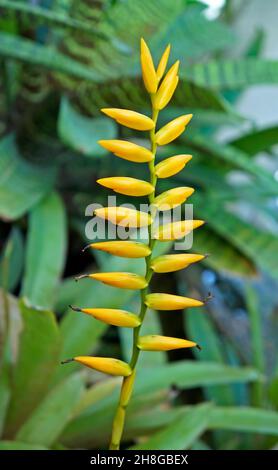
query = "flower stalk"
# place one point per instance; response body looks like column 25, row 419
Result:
column 161, row 89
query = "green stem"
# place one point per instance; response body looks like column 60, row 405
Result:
column 119, row 419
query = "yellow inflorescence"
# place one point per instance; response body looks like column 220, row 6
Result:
column 161, row 87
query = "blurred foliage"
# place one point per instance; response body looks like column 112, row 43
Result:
column 60, row 61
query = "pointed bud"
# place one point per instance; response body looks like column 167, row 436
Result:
column 172, row 130
column 163, row 63
column 171, row 166
column 176, row 230
column 130, row 118
column 124, row 216
column 107, row 365
column 163, row 343
column 126, row 185
column 112, row 316
column 167, row 87
column 148, row 70
column 125, row 249
column 170, row 263
column 172, row 198
column 170, row 302
column 121, row 280
column 127, row 150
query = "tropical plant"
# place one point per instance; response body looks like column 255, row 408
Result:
column 59, row 65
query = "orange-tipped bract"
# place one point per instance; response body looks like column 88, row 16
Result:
column 172, row 198
column 124, row 216
column 120, row 279
column 107, row 365
column 176, row 230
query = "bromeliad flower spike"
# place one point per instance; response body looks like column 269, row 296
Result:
column 161, row 88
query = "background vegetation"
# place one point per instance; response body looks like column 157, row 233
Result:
column 62, row 60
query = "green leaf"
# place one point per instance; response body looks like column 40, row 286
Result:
column 10, row 330
column 200, row 328
column 231, row 74
column 49, row 419
column 11, row 263
column 37, row 359
column 244, row 419
column 46, row 251
column 189, row 374
column 82, row 133
column 223, row 256
column 182, row 432
column 234, row 157
column 25, row 50
column 44, row 16
column 192, row 35
column 256, row 141
column 256, row 244
column 22, row 185
column 16, row 445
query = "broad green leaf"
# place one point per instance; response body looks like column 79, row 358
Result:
column 16, row 445
column 223, row 256
column 182, row 433
column 25, row 50
column 10, row 330
column 256, row 244
column 189, row 374
column 37, row 359
column 45, row 15
column 11, row 262
column 200, row 328
column 233, row 73
column 192, row 35
column 22, row 184
column 244, row 419
column 259, row 140
column 52, row 415
column 82, row 133
column 234, row 157
column 46, row 251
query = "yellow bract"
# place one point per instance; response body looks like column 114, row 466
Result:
column 130, row 118
column 127, row 150
column 148, row 70
column 124, row 216
column 163, row 63
column 170, row 263
column 163, row 343
column 172, row 198
column 167, row 87
column 113, row 316
column 172, row 130
column 170, row 302
column 127, row 388
column 126, row 185
column 121, row 280
column 171, row 166
column 176, row 230
column 125, row 249
column 107, row 365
